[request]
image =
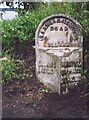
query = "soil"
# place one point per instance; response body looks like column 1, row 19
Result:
column 28, row 98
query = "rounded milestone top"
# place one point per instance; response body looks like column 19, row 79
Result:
column 59, row 31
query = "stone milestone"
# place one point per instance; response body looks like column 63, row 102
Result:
column 59, row 52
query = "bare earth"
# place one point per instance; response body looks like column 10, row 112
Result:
column 26, row 99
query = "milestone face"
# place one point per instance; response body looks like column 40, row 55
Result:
column 59, row 49
column 59, row 32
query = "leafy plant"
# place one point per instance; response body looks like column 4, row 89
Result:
column 24, row 26
column 11, row 68
column 8, row 69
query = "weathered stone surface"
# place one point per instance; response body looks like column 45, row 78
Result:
column 59, row 43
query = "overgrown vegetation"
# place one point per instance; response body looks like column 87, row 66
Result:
column 8, row 69
column 12, row 68
column 23, row 27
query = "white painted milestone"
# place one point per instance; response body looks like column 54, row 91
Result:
column 59, row 47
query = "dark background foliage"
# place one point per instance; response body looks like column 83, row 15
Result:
column 22, row 28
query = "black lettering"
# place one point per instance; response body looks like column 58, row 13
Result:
column 63, row 21
column 61, row 28
column 70, row 25
column 44, row 28
column 54, row 20
column 65, row 28
column 58, row 20
column 51, row 28
column 75, row 35
column 73, row 28
column 75, row 31
column 73, row 78
column 56, row 28
column 67, row 22
column 48, row 23
column 49, row 45
column 42, row 32
column 67, row 34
